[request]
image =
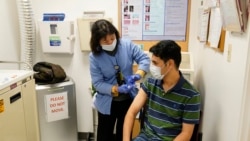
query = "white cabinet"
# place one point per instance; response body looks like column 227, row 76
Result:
column 187, row 66
column 18, row 108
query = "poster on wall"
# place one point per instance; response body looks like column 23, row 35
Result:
column 203, row 23
column 154, row 19
column 234, row 14
column 248, row 7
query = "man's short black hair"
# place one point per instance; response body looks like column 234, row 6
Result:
column 167, row 49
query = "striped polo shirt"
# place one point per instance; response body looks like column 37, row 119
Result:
column 168, row 110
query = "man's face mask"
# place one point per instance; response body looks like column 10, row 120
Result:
column 156, row 71
column 110, row 47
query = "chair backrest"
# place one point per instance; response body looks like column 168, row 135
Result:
column 195, row 133
column 142, row 116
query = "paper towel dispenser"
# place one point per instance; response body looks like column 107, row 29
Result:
column 57, row 36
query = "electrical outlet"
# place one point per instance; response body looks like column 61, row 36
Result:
column 229, row 53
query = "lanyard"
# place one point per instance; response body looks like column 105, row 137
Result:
column 118, row 74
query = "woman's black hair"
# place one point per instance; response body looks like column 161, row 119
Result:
column 100, row 29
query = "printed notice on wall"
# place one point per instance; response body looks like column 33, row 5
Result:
column 215, row 27
column 203, row 20
column 56, row 106
column 154, row 19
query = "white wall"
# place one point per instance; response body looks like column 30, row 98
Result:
column 76, row 65
column 9, row 37
column 221, row 83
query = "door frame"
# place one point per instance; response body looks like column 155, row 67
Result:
column 244, row 128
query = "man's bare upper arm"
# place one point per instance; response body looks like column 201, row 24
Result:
column 188, row 128
column 138, row 102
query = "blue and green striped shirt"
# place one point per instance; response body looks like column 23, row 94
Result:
column 168, row 110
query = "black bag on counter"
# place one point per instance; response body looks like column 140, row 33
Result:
column 48, row 73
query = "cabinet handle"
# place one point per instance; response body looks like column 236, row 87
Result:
column 15, row 97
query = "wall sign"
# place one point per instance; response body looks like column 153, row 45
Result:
column 57, row 106
column 154, row 19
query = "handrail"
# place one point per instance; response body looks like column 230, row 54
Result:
column 19, row 62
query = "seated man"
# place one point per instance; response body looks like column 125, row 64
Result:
column 173, row 104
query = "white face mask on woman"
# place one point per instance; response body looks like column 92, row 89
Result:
column 110, row 47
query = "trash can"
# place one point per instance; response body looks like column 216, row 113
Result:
column 57, row 111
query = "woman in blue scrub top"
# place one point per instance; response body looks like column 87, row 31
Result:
column 111, row 69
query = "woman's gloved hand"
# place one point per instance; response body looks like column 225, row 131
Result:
column 133, row 78
column 125, row 88
column 114, row 91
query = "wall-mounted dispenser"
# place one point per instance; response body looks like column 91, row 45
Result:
column 57, row 36
column 84, row 27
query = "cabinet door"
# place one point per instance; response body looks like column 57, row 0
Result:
column 12, row 121
column 30, row 108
